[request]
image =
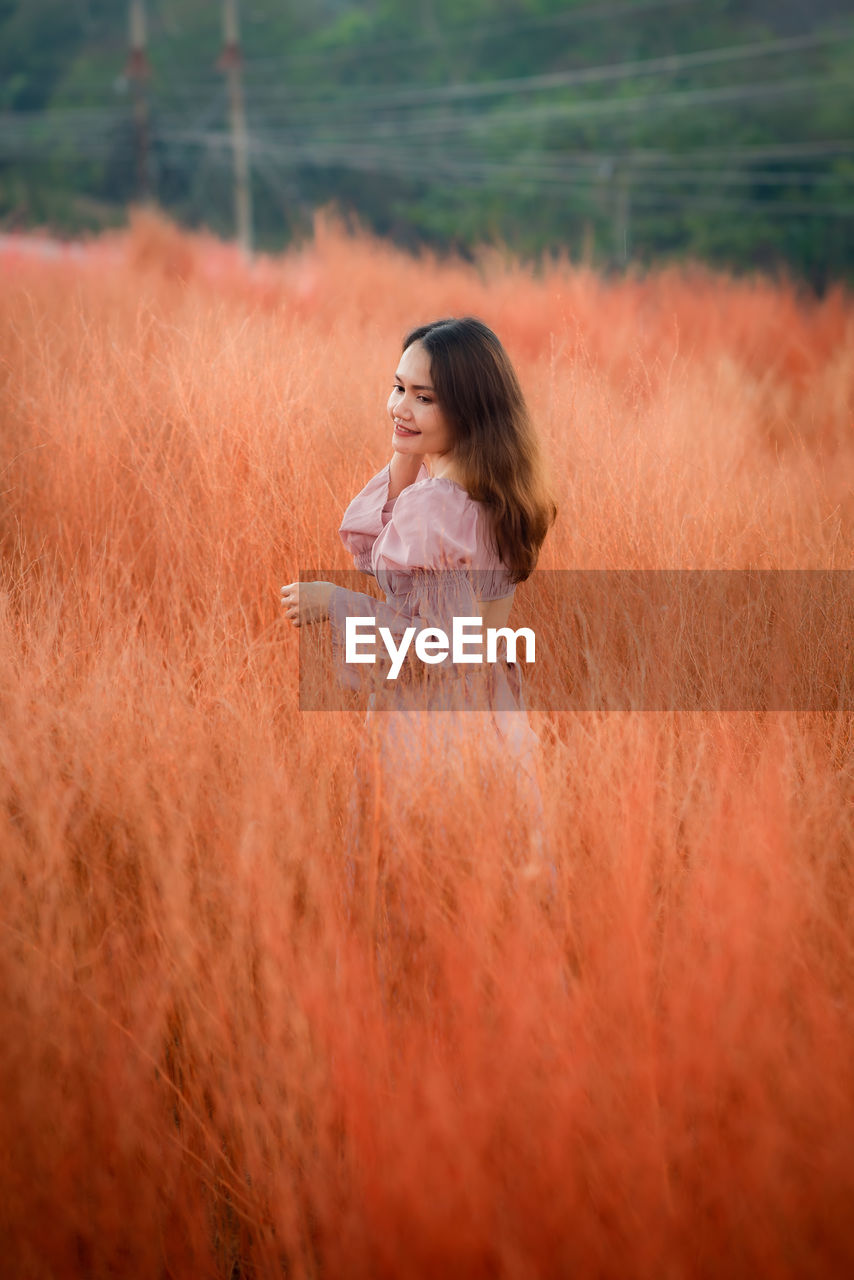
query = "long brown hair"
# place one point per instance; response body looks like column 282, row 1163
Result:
column 495, row 448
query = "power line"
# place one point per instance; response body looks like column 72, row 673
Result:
column 593, row 169
column 600, row 168
column 479, row 32
column 604, row 169
column 676, row 200
column 480, row 122
column 572, row 187
column 276, row 65
column 74, row 124
column 399, row 95
column 659, row 168
column 361, row 99
column 82, row 123
column 77, row 123
column 762, row 151
column 326, row 110
column 636, row 104
column 474, row 122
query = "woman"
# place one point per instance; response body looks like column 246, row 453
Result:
column 448, row 528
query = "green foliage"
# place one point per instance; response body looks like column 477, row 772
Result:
column 541, row 124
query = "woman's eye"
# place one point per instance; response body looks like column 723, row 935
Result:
column 397, row 387
column 425, row 399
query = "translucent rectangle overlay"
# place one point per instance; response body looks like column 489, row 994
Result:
column 605, row 640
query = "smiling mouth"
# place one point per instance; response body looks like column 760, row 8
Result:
column 405, row 431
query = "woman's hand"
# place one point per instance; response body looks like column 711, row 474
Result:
column 402, row 472
column 307, row 601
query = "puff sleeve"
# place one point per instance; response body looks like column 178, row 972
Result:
column 436, row 527
column 420, row 554
column 367, row 516
column 430, row 555
column 432, row 526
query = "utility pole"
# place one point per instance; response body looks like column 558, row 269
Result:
column 231, row 63
column 138, row 72
column 622, row 216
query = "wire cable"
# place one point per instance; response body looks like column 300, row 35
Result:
column 400, row 95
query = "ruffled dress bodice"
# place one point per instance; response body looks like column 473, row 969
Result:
column 432, row 525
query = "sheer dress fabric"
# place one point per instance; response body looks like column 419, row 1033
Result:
column 431, row 554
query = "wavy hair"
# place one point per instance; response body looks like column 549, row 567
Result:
column 495, row 449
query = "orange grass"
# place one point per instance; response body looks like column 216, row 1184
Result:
column 252, row 1024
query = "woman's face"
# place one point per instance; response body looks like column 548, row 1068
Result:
column 420, row 426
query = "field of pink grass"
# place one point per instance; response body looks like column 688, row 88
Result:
column 254, row 1025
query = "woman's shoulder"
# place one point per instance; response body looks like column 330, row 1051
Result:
column 441, row 505
column 437, row 520
column 428, row 489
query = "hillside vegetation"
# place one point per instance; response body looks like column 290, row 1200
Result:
column 626, row 132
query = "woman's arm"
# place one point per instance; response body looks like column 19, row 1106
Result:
column 370, row 511
column 495, row 613
column 402, row 472
column 309, row 601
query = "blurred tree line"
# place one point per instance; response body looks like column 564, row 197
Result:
column 619, row 131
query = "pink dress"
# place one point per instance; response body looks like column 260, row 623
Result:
column 434, row 525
